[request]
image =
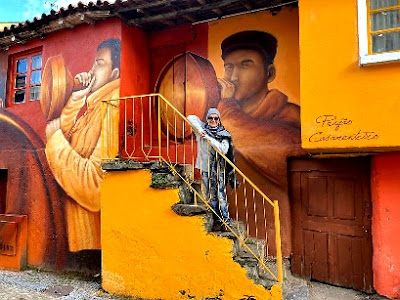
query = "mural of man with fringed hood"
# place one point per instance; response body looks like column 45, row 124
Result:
column 74, row 146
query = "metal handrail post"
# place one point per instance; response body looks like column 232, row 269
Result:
column 278, row 241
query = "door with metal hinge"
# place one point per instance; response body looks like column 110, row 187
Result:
column 3, row 190
column 331, row 227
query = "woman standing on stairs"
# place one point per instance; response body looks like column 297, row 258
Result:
column 211, row 165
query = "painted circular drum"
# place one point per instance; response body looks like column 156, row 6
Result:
column 57, row 86
column 189, row 83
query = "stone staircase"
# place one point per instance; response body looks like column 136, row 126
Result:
column 240, row 252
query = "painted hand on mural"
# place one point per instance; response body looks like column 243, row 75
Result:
column 73, row 149
column 86, row 80
column 226, row 88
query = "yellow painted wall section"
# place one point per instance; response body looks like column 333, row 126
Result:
column 334, row 88
column 152, row 253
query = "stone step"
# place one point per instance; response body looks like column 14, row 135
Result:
column 249, row 261
column 271, row 264
column 254, row 268
column 197, row 183
column 225, row 234
column 258, row 247
column 187, row 195
column 188, row 209
column 251, row 266
column 255, row 271
column 165, row 180
column 208, row 220
column 239, row 228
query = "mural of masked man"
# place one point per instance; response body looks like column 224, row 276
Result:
column 74, row 145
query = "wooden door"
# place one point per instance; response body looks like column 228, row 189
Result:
column 331, row 209
column 3, row 190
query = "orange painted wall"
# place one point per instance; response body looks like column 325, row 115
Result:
column 333, row 83
column 150, row 252
column 385, row 180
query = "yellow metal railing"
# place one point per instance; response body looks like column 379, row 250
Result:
column 151, row 128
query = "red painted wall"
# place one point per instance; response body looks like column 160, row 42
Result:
column 135, row 62
column 385, row 178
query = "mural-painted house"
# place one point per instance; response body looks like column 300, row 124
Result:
column 67, row 85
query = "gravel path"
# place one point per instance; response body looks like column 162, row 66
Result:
column 41, row 285
column 33, row 284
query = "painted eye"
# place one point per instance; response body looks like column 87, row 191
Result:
column 228, row 68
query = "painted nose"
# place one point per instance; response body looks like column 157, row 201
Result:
column 235, row 75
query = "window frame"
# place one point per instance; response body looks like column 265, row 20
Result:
column 365, row 57
column 12, row 73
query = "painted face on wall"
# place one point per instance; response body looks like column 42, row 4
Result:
column 245, row 68
column 102, row 69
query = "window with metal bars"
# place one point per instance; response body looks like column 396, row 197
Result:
column 379, row 30
column 25, row 77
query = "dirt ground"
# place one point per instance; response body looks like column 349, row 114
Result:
column 296, row 288
column 38, row 285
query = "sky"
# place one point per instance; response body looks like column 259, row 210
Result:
column 23, row 10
